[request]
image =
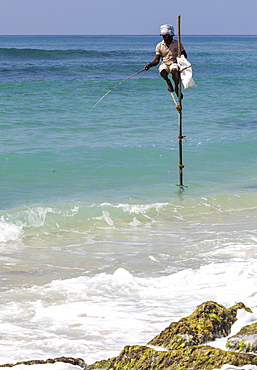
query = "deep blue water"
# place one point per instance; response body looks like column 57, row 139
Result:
column 127, row 146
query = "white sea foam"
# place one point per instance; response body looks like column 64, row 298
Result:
column 9, row 232
column 243, row 318
column 95, row 317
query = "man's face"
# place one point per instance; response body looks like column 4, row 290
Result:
column 167, row 37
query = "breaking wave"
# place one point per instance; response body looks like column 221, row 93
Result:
column 92, row 216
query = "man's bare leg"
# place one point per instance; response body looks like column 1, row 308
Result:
column 164, row 75
column 175, row 77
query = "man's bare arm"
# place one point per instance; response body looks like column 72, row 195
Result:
column 153, row 63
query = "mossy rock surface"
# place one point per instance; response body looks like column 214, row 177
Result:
column 69, row 360
column 183, row 341
column 209, row 321
column 193, row 358
column 245, row 340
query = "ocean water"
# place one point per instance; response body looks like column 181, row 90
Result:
column 99, row 247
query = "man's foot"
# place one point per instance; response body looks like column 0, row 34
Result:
column 169, row 86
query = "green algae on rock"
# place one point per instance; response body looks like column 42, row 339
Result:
column 69, row 360
column 183, row 342
column 192, row 358
column 245, row 340
column 183, row 345
column 209, row 321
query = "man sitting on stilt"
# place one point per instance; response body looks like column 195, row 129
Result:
column 168, row 51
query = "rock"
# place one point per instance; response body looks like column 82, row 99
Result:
column 183, row 345
column 209, row 321
column 192, row 358
column 245, row 340
column 70, row 360
column 182, row 341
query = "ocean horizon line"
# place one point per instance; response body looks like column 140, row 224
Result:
column 124, row 35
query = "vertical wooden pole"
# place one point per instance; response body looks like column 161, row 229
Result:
column 179, row 37
column 180, row 134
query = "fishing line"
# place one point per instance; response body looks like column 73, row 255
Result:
column 126, row 79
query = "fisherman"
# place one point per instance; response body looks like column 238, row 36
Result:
column 168, row 51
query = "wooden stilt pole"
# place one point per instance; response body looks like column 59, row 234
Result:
column 180, row 134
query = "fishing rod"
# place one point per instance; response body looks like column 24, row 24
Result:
column 126, row 79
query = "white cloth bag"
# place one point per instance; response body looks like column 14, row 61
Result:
column 187, row 72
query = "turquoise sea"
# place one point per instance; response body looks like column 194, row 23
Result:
column 99, row 247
